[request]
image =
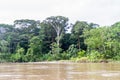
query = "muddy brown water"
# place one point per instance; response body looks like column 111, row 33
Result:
column 60, row 71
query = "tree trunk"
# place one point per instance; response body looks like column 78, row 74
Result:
column 58, row 42
column 78, row 43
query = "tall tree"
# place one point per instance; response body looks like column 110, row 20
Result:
column 25, row 29
column 47, row 35
column 27, row 26
column 59, row 23
column 77, row 31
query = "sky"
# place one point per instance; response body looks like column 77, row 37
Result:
column 102, row 12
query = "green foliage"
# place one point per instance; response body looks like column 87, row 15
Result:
column 54, row 48
column 18, row 56
column 4, row 46
column 65, row 56
column 47, row 35
column 72, row 51
column 117, row 57
column 35, row 45
column 58, row 23
column 29, row 41
column 81, row 54
column 29, row 55
column 94, row 56
column 66, row 41
column 77, row 33
column 103, row 40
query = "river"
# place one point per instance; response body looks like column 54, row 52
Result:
column 59, row 71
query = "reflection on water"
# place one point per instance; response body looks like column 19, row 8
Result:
column 60, row 71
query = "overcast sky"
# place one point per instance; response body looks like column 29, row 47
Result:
column 103, row 12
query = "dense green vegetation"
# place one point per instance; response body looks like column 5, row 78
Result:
column 30, row 41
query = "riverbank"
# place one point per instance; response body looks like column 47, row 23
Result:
column 70, row 61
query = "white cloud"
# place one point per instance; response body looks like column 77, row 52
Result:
column 103, row 12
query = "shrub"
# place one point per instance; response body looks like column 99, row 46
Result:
column 94, row 56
